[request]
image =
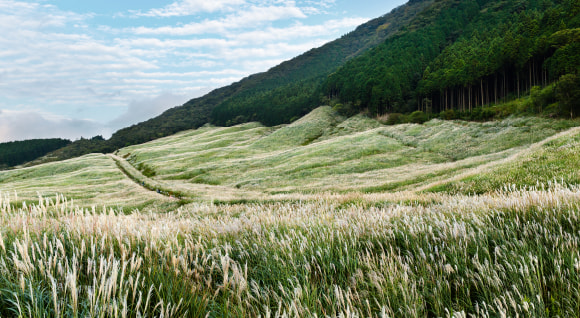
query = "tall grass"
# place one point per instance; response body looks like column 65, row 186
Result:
column 325, row 152
column 558, row 160
column 511, row 253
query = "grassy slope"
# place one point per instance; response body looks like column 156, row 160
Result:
column 404, row 254
column 321, row 152
column 325, row 152
column 555, row 161
column 88, row 180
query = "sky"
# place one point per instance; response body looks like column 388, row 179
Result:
column 71, row 69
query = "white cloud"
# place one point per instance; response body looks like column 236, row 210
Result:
column 190, row 7
column 49, row 61
column 21, row 125
column 143, row 109
column 248, row 18
column 295, row 31
column 76, row 65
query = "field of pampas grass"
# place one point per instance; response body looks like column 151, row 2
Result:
column 510, row 253
column 325, row 152
column 326, row 217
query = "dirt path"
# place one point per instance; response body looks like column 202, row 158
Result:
column 479, row 169
column 144, row 181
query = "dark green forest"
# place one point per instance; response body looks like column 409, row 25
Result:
column 18, row 152
column 461, row 54
column 428, row 58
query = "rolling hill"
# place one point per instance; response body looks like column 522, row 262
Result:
column 323, row 152
column 251, row 220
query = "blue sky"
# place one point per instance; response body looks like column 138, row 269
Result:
column 71, row 68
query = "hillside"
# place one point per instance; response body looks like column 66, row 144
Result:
column 319, row 153
column 290, row 86
column 18, row 152
column 448, row 57
column 327, row 216
column 462, row 54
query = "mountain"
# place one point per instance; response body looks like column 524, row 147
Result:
column 446, row 58
column 296, row 80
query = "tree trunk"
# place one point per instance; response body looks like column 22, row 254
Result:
column 481, row 84
column 518, row 79
column 530, row 74
column 469, row 93
column 487, row 97
column 495, row 89
column 504, row 84
column 452, row 95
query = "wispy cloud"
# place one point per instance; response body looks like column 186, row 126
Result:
column 190, row 7
column 295, row 31
column 249, row 18
column 80, row 66
column 22, row 125
column 143, row 109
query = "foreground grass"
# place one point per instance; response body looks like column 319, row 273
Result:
column 506, row 254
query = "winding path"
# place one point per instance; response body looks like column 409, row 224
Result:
column 144, row 181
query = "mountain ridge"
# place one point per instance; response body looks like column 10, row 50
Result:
column 311, row 65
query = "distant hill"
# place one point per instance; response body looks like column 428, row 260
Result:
column 18, row 152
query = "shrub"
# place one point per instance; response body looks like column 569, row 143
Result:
column 568, row 94
column 395, row 118
column 346, row 110
column 418, row 117
column 448, row 114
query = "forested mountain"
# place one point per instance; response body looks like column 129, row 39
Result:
column 428, row 56
column 285, row 92
column 18, row 152
column 459, row 54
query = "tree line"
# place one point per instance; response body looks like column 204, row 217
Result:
column 18, row 152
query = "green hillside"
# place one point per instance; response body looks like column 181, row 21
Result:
column 314, row 154
column 289, row 89
column 18, row 152
column 444, row 58
column 327, row 216
column 323, row 152
column 461, row 54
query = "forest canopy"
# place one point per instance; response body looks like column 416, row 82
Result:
column 460, row 54
column 18, row 152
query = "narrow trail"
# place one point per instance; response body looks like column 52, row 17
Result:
column 479, row 169
column 144, row 181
